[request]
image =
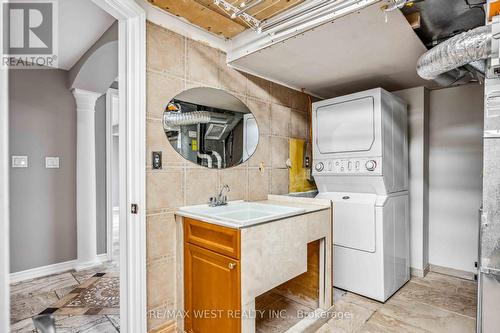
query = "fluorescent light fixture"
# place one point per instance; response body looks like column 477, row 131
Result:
column 312, row 16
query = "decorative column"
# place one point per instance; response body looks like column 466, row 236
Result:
column 86, row 179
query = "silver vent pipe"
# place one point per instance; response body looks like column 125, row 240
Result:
column 173, row 119
column 455, row 52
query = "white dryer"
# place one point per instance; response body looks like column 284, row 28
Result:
column 360, row 153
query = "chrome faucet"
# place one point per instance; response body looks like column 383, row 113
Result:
column 220, row 199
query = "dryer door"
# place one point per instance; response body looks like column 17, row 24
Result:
column 353, row 220
column 346, row 126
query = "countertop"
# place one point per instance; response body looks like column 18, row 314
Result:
column 309, row 204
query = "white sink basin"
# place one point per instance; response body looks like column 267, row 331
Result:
column 240, row 213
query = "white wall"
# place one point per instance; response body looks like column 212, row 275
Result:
column 418, row 138
column 4, row 199
column 455, row 175
column 42, row 122
column 100, row 172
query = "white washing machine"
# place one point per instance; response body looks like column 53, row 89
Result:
column 360, row 153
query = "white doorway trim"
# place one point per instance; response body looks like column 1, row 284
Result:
column 4, row 192
column 110, row 169
column 132, row 93
column 132, row 73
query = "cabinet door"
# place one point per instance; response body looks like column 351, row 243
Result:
column 212, row 291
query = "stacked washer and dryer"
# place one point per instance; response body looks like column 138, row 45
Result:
column 360, row 153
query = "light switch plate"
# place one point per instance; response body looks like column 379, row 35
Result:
column 51, row 162
column 19, row 161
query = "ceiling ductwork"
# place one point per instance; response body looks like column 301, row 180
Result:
column 442, row 63
column 174, row 119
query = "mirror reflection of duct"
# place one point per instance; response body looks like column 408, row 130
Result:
column 203, row 152
column 206, row 157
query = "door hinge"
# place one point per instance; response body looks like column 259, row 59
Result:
column 134, row 208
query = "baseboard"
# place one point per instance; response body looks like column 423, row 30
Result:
column 87, row 265
column 103, row 257
column 42, row 271
column 169, row 327
column 50, row 269
column 452, row 272
column 419, row 272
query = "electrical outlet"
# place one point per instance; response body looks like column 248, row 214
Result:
column 19, row 161
column 52, row 162
column 156, row 160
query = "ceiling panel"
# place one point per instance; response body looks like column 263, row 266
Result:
column 205, row 14
column 74, row 17
column 201, row 16
column 356, row 52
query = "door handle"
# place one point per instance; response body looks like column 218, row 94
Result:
column 232, row 265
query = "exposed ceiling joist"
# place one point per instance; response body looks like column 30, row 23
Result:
column 201, row 16
column 205, row 14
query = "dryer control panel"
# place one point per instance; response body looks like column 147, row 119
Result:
column 354, row 166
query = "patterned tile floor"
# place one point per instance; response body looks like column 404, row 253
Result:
column 29, row 298
column 436, row 303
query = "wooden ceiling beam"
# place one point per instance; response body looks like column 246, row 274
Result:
column 201, row 16
column 207, row 15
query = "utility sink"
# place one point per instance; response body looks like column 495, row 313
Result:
column 241, row 214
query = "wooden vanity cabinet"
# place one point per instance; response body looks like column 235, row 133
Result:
column 212, row 295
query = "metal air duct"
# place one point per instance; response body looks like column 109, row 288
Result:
column 455, row 52
column 173, row 119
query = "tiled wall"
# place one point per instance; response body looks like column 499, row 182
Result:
column 175, row 63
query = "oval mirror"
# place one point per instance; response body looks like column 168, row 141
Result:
column 211, row 127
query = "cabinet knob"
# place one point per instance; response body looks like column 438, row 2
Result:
column 232, row 265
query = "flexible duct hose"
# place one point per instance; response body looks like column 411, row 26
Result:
column 457, row 51
column 172, row 119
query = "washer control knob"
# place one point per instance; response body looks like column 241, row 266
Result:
column 319, row 166
column 371, row 165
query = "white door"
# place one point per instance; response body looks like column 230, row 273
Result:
column 354, row 220
column 346, row 126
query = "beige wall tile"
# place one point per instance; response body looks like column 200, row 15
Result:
column 230, row 78
column 158, row 317
column 258, row 185
column 156, row 140
column 300, row 125
column 237, row 180
column 201, row 184
column 280, row 120
column 160, row 231
column 258, row 88
column 165, row 50
column 299, row 101
column 202, row 63
column 262, row 112
column 279, row 181
column 280, row 152
column 161, row 281
column 160, row 89
column 262, row 153
column 280, row 94
column 164, row 190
